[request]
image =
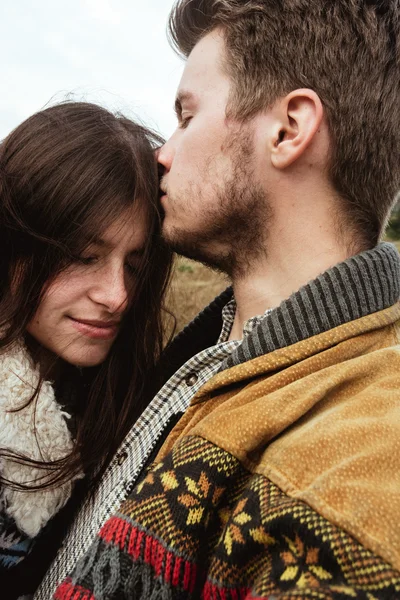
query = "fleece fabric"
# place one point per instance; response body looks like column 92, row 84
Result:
column 37, row 430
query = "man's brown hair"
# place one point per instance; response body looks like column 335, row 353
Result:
column 348, row 52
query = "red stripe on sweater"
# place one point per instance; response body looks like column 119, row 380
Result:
column 168, row 567
column 174, row 569
column 177, row 571
column 160, row 560
column 132, row 540
column 68, row 591
column 215, row 592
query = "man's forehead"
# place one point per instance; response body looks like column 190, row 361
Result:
column 203, row 67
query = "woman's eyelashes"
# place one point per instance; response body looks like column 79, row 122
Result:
column 132, row 266
column 86, row 260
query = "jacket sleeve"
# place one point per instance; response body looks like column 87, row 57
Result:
column 201, row 526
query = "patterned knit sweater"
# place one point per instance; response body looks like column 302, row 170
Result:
column 282, row 480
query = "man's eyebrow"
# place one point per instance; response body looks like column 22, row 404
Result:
column 181, row 97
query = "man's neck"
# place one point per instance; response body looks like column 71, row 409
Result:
column 285, row 268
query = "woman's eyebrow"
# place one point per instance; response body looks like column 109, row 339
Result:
column 139, row 252
column 109, row 245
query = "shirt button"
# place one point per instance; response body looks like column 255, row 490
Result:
column 191, row 379
column 128, row 487
column 122, row 458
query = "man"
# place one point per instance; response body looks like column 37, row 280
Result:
column 282, row 479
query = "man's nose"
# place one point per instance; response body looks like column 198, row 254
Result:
column 165, row 156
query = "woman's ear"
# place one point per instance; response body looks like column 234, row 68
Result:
column 299, row 116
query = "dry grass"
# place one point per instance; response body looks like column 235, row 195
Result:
column 193, row 287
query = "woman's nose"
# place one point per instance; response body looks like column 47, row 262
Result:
column 110, row 290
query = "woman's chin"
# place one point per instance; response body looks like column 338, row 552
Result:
column 85, row 360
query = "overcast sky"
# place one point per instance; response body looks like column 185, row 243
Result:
column 113, row 52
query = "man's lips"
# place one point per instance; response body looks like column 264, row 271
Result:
column 163, row 197
column 96, row 329
column 163, row 192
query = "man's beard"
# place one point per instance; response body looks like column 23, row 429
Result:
column 233, row 231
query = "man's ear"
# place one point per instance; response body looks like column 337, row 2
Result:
column 298, row 117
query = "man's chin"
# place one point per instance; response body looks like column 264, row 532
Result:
column 193, row 246
column 176, row 241
column 167, row 233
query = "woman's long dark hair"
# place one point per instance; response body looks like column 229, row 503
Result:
column 66, row 174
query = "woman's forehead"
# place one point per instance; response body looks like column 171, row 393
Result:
column 129, row 229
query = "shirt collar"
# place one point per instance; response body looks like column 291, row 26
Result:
column 228, row 316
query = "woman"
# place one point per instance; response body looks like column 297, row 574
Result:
column 82, row 278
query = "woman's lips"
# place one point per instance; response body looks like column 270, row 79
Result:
column 100, row 330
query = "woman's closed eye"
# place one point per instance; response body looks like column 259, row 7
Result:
column 86, row 260
column 133, row 267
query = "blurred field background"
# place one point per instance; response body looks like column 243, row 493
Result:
column 193, row 287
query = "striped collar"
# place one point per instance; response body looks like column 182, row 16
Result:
column 355, row 288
